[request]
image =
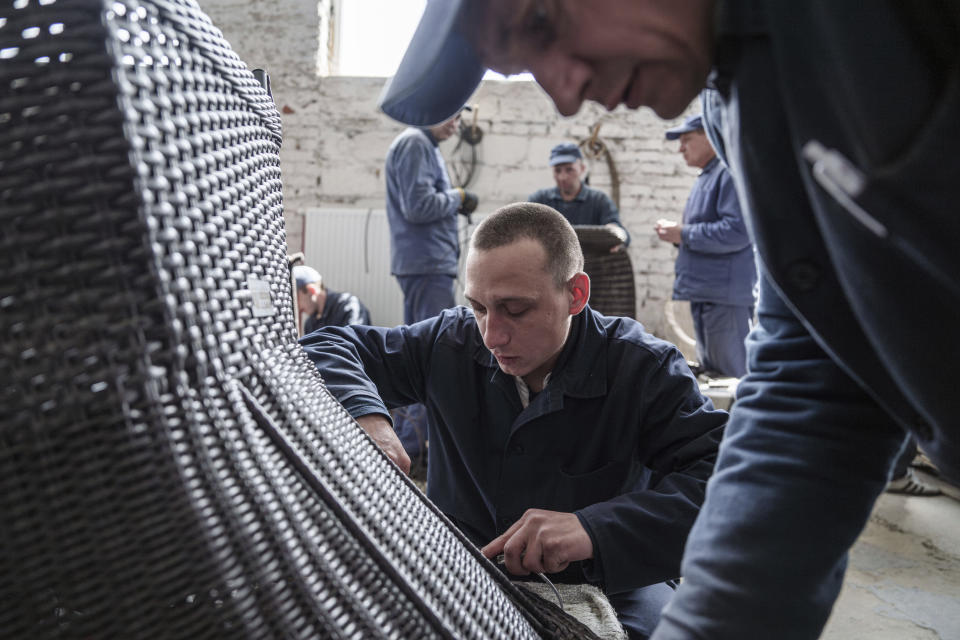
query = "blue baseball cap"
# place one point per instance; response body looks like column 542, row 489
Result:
column 565, row 152
column 438, row 73
column 693, row 123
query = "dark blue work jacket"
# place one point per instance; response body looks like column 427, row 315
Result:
column 621, row 434
column 589, row 206
column 715, row 262
column 839, row 122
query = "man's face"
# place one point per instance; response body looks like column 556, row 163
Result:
column 696, row 149
column 522, row 316
column 567, row 175
column 445, row 129
column 305, row 301
column 644, row 52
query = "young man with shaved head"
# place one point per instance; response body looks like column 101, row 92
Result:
column 575, row 444
column 838, row 119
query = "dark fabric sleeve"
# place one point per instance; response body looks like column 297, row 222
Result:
column 639, row 536
column 371, row 369
column 805, row 456
column 610, row 215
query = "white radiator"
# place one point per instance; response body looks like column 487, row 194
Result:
column 351, row 250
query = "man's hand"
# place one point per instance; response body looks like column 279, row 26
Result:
column 380, row 429
column 541, row 541
column 620, row 233
column 669, row 231
column 468, row 202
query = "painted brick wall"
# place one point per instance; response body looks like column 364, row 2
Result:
column 335, row 139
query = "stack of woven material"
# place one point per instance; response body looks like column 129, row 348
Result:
column 171, row 465
column 612, row 288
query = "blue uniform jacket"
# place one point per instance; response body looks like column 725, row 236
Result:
column 621, row 434
column 852, row 196
column 715, row 262
column 421, row 207
column 590, row 206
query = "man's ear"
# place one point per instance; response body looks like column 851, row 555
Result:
column 311, row 289
column 580, row 288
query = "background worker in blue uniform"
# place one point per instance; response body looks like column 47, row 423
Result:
column 839, row 122
column 715, row 267
column 422, row 210
column 577, row 201
column 324, row 306
column 569, row 441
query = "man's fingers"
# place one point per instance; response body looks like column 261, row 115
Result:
column 494, row 547
column 513, row 551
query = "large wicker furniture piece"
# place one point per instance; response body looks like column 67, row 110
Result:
column 171, row 465
column 612, row 288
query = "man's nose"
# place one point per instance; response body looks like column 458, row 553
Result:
column 563, row 77
column 495, row 333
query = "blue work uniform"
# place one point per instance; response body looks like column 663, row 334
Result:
column 589, row 206
column 424, row 246
column 716, row 272
column 620, row 436
column 851, row 191
column 422, row 213
column 340, row 309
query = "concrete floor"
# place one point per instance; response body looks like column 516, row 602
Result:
column 903, row 582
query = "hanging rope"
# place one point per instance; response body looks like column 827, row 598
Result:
column 463, row 163
column 595, row 148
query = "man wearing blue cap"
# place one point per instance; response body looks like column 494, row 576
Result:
column 715, row 266
column 848, row 177
column 578, row 202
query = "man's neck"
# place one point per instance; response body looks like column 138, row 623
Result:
column 574, row 195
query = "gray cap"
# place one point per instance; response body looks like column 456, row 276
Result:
column 565, row 152
column 438, row 73
column 693, row 123
column 305, row 275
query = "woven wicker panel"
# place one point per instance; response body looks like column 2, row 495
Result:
column 612, row 288
column 171, row 464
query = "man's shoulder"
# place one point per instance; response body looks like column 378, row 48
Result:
column 594, row 195
column 545, row 195
column 410, row 137
column 629, row 335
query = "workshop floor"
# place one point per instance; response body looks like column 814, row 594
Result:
column 904, row 577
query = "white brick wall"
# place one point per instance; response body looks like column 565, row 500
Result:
column 335, row 139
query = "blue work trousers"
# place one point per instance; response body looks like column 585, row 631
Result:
column 721, row 330
column 424, row 296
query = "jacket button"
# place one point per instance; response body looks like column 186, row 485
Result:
column 803, row 274
column 518, row 450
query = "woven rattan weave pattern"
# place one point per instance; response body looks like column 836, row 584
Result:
column 171, row 464
column 612, row 289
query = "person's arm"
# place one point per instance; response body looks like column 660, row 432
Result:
column 610, row 217
column 420, row 200
column 726, row 234
column 805, row 456
column 368, row 369
column 638, row 537
column 354, row 311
